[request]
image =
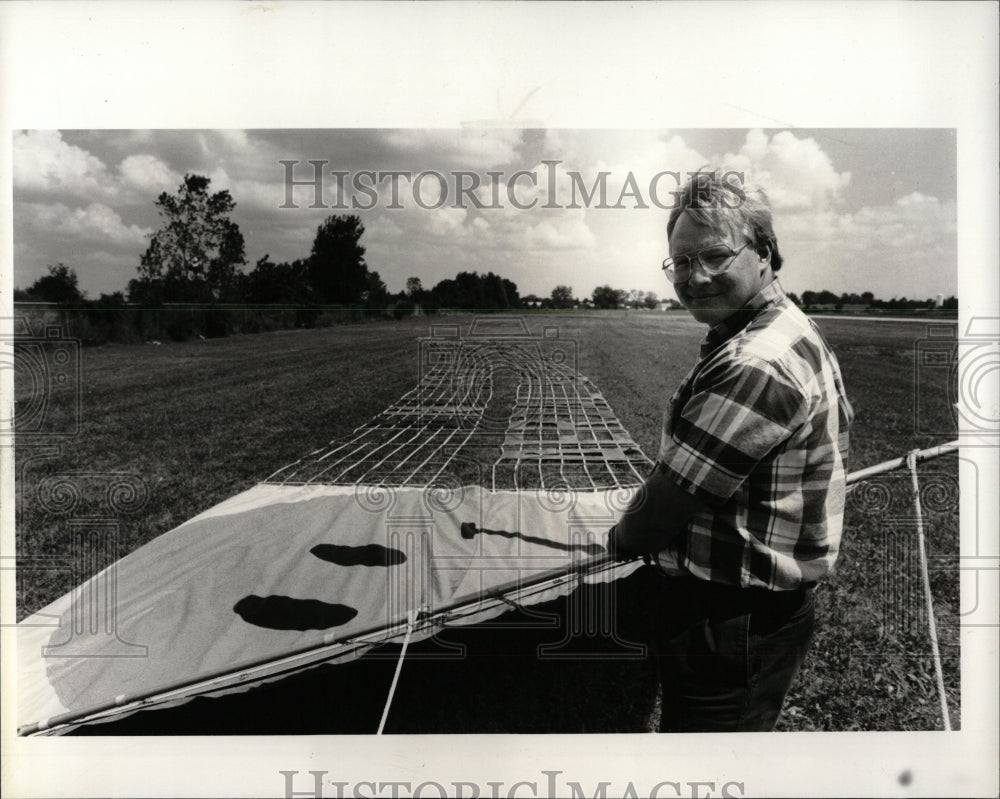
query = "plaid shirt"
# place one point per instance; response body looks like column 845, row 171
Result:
column 759, row 432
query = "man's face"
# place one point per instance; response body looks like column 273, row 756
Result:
column 712, row 299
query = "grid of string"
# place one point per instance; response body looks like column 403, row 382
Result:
column 501, row 413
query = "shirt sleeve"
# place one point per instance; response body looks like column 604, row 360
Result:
column 739, row 410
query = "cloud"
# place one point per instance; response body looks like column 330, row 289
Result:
column 93, row 240
column 147, row 175
column 907, row 247
column 538, row 244
column 85, row 192
column 448, row 223
column 914, row 221
column 48, row 167
column 94, row 224
column 796, row 173
column 44, row 163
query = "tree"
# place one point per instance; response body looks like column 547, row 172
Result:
column 562, row 297
column 284, row 283
column 511, row 294
column 495, row 290
column 337, row 269
column 375, row 295
column 196, row 253
column 470, row 290
column 849, row 299
column 637, row 298
column 60, row 285
column 414, row 288
column 607, row 297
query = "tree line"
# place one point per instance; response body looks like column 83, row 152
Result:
column 198, row 253
column 867, row 301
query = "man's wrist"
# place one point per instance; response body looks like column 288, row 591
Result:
column 615, row 548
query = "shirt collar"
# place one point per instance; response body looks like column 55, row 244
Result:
column 736, row 322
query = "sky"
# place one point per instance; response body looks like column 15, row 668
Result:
column 854, row 209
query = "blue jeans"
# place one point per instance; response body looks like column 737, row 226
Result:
column 727, row 656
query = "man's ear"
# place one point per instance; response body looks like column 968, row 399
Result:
column 764, row 252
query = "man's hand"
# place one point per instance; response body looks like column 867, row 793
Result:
column 657, row 515
column 615, row 550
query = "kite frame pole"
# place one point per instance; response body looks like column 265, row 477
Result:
column 911, row 461
column 316, row 654
column 920, row 456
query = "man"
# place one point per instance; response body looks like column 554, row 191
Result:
column 745, row 505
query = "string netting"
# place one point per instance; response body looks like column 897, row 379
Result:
column 500, row 412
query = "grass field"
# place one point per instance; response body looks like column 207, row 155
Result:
column 187, row 425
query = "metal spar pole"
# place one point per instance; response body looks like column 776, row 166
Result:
column 911, row 462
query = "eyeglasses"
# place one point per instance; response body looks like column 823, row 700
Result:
column 714, row 261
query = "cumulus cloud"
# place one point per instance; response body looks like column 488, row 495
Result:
column 914, row 220
column 254, row 194
column 47, row 166
column 447, row 222
column 551, row 220
column 95, row 223
column 92, row 239
column 797, row 174
column 148, row 175
column 907, row 247
column 43, row 162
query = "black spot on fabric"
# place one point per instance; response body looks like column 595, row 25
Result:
column 469, row 530
column 367, row 555
column 287, row 613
